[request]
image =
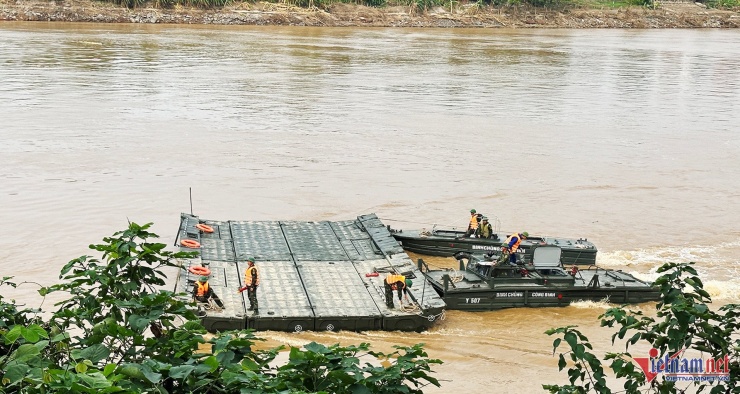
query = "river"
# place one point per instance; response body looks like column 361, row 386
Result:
column 627, row 137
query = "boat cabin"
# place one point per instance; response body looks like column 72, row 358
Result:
column 545, row 269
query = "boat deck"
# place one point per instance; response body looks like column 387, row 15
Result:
column 480, row 289
column 313, row 275
column 608, row 279
column 442, row 242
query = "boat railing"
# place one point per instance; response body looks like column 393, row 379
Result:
column 422, row 266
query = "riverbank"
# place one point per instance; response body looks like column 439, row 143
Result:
column 681, row 15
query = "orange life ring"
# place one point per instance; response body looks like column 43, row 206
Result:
column 200, row 271
column 190, row 243
column 204, row 228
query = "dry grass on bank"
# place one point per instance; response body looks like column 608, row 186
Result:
column 682, row 15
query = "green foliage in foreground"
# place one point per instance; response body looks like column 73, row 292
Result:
column 117, row 332
column 683, row 321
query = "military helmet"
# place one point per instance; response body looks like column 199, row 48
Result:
column 203, row 279
column 409, row 283
column 472, row 211
column 525, row 234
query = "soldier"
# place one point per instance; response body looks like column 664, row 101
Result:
column 202, row 292
column 398, row 283
column 251, row 281
column 473, row 225
column 512, row 244
column 485, row 230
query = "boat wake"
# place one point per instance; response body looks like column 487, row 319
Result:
column 717, row 265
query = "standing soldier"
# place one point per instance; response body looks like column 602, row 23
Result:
column 474, row 220
column 251, row 281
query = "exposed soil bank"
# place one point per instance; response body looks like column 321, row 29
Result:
column 683, row 15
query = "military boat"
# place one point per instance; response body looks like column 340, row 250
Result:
column 313, row 275
column 448, row 242
column 484, row 284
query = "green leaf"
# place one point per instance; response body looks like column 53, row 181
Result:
column 571, row 338
column 25, row 352
column 13, row 334
column 15, row 373
column 211, row 362
column 95, row 380
column 150, row 375
column 555, row 345
column 561, row 363
column 138, row 323
column 132, row 371
column 249, row 364
column 109, row 369
column 316, row 348
column 60, row 337
column 579, row 350
column 33, row 333
column 81, row 368
column 181, row 371
column 29, row 335
column 95, row 353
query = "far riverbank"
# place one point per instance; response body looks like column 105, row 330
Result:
column 676, row 15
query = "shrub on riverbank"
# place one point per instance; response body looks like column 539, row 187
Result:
column 118, row 332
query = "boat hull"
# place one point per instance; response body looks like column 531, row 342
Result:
column 482, row 285
column 502, row 298
column 449, row 243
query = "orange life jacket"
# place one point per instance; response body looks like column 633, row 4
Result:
column 248, row 276
column 474, row 221
column 518, row 241
column 393, row 280
column 202, row 289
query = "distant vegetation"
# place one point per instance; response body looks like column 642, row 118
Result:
column 423, row 4
column 116, row 331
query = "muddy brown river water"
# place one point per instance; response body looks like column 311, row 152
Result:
column 627, row 137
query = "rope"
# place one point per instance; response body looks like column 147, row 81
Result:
column 455, row 275
column 211, row 305
column 414, row 308
column 411, row 308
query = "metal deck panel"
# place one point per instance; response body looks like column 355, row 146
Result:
column 216, row 249
column 355, row 240
column 280, row 293
column 335, row 289
column 262, row 240
column 313, row 241
column 380, row 234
